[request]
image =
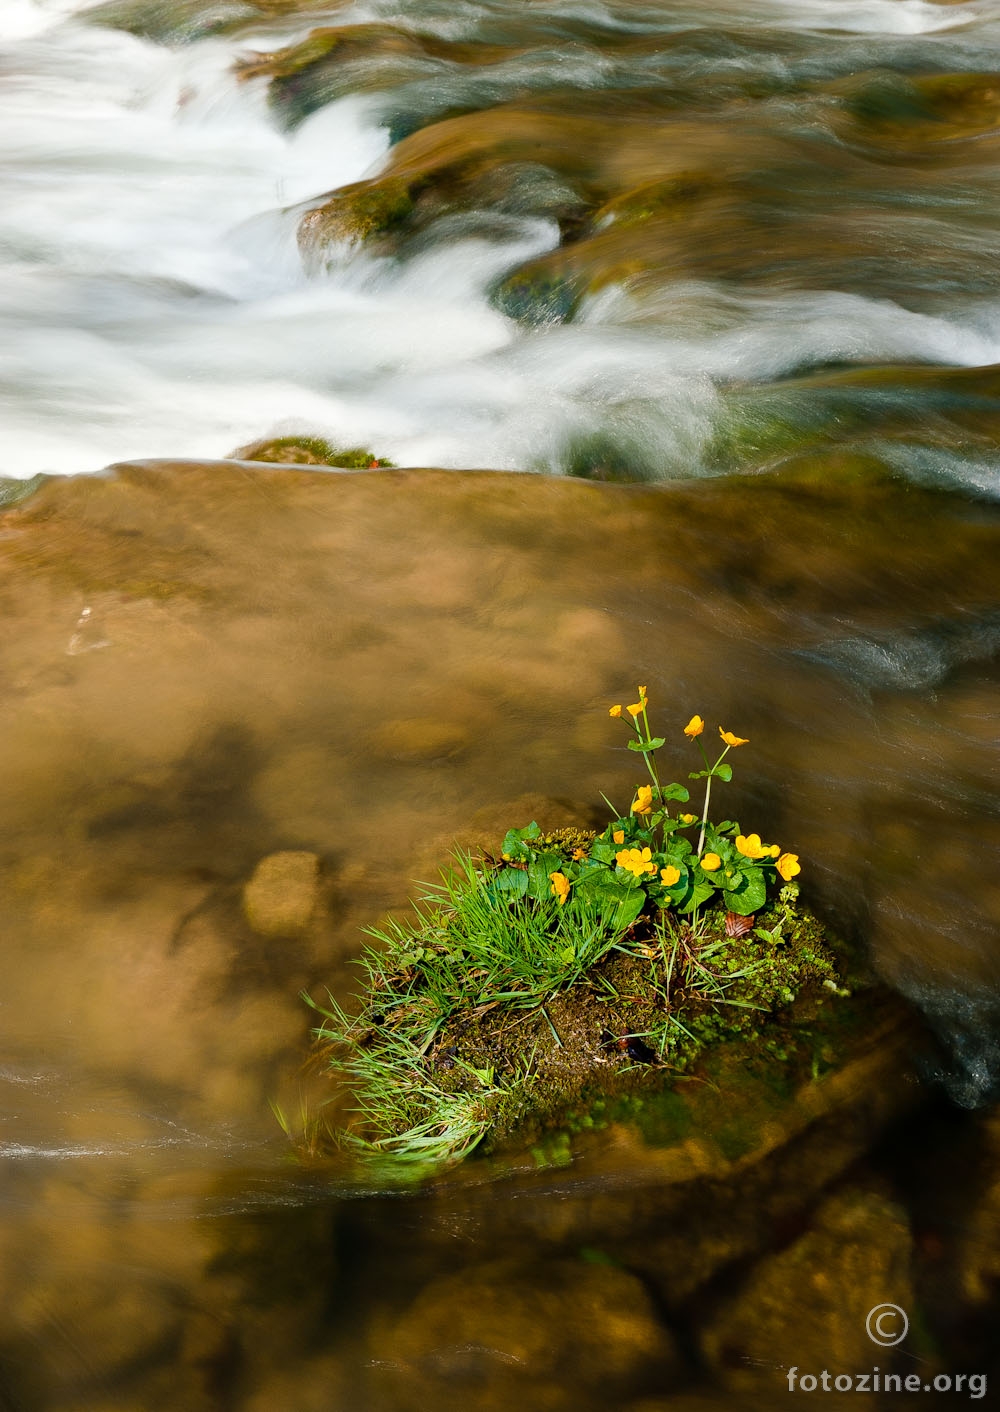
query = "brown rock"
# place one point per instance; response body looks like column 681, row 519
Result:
column 506, row 1329
column 280, row 898
column 807, row 1305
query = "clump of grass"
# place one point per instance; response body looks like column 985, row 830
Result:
column 522, row 982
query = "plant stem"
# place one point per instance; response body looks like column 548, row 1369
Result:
column 708, row 791
column 648, row 757
column 704, row 815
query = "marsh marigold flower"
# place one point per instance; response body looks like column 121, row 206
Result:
column 710, row 861
column 636, row 709
column 788, row 866
column 637, row 861
column 731, row 739
column 618, row 836
column 694, row 727
column 688, row 818
column 560, row 887
column 668, row 876
column 643, row 800
column 642, row 693
column 751, row 846
column 614, row 711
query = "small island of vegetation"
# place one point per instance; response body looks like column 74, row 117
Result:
column 528, row 985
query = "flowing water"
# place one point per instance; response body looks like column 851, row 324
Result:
column 743, row 254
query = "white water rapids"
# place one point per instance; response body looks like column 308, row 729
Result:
column 152, row 300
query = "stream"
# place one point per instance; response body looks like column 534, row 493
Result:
column 692, row 311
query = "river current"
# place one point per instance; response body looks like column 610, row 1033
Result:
column 153, row 301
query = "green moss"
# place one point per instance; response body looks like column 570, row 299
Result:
column 310, row 451
column 537, row 294
column 362, row 210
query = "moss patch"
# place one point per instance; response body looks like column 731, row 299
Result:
column 309, row 451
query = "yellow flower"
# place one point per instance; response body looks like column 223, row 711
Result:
column 774, row 850
column 788, row 866
column 618, row 836
column 710, row 861
column 560, row 887
column 668, row 876
column 751, row 846
column 688, row 818
column 643, row 800
column 614, row 711
column 694, row 727
column 635, row 710
column 731, row 739
column 636, row 861
column 579, row 853
column 642, row 693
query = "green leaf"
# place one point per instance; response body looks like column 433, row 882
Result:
column 675, row 791
column 749, row 894
column 602, row 852
column 514, row 840
column 699, row 775
column 646, row 747
column 700, row 893
column 623, row 912
column 567, row 955
column 512, row 880
column 724, row 772
column 539, row 882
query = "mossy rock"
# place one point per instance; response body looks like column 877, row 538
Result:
column 309, row 451
column 537, row 294
column 357, row 212
column 959, row 408
column 445, row 1057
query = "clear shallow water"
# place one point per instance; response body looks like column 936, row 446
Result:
column 362, row 666
column 153, row 302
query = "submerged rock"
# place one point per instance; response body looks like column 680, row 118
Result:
column 183, row 21
column 855, row 1256
column 511, row 1329
column 281, row 897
